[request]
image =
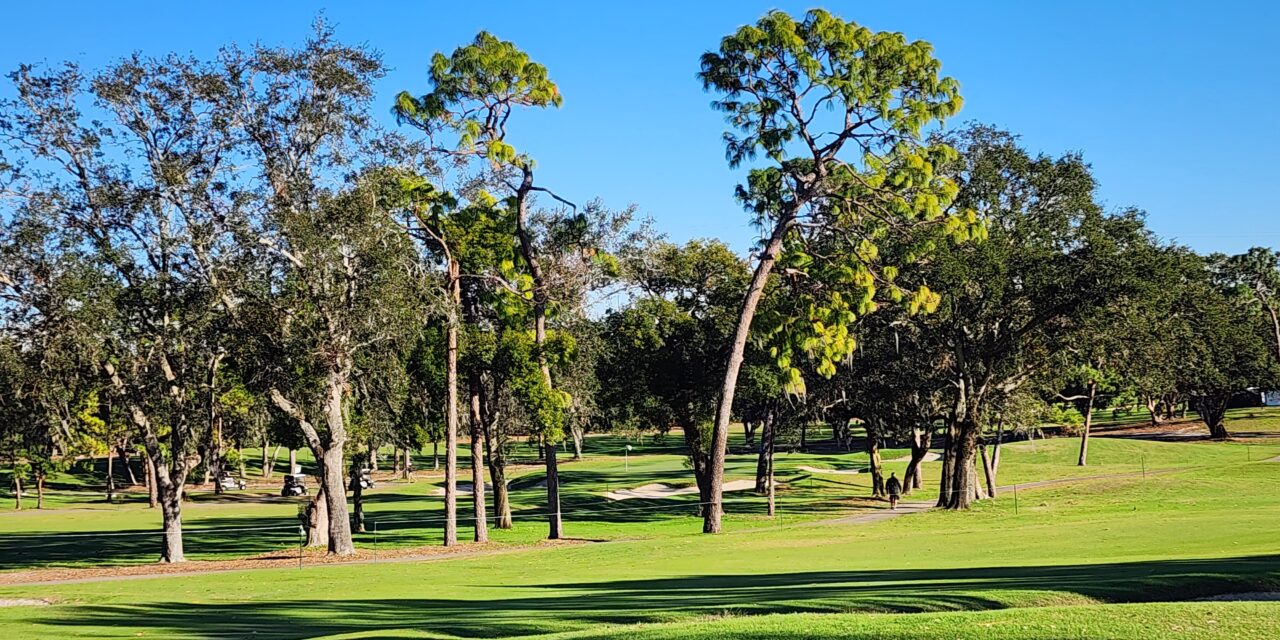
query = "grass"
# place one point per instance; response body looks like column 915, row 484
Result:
column 1202, row 621
column 1093, row 545
column 1115, row 557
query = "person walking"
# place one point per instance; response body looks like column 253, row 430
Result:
column 894, row 487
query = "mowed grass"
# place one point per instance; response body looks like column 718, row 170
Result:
column 1063, row 564
column 1202, row 621
column 406, row 514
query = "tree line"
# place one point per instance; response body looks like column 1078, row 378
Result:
column 199, row 255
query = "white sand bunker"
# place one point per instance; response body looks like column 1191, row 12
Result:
column 932, row 456
column 842, row 472
column 23, row 602
column 657, row 490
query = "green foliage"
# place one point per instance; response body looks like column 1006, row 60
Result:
column 474, row 90
column 517, row 360
column 800, row 92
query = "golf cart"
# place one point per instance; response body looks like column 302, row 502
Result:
column 363, row 479
column 294, row 485
column 227, row 482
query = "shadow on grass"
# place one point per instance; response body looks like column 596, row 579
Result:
column 523, row 610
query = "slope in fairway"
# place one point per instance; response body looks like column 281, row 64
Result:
column 1069, row 550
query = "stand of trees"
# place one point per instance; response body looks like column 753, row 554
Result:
column 199, row 255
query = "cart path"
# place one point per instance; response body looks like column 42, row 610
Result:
column 908, row 508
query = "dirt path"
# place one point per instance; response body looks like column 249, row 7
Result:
column 311, row 558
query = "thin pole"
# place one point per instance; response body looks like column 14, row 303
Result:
column 1015, row 499
column 375, row 540
column 300, row 538
column 1143, row 457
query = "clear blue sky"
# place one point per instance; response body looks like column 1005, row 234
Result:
column 1174, row 103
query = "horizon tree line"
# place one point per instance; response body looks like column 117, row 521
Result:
column 201, row 255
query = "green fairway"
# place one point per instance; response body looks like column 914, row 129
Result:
column 1085, row 544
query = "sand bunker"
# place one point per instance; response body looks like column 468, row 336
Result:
column 22, row 602
column 932, row 456
column 842, row 472
column 657, row 490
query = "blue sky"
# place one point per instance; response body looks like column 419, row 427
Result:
column 1175, row 103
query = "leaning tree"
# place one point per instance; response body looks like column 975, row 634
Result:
column 839, row 111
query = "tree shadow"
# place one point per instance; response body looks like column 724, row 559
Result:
column 542, row 608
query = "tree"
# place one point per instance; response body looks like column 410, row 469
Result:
column 1229, row 354
column 347, row 285
column 138, row 183
column 839, row 111
column 1255, row 275
column 474, row 92
column 662, row 357
column 339, row 274
column 1052, row 260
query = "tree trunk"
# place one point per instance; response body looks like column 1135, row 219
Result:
column 328, row 453
column 169, row 480
column 1153, row 407
column 318, row 520
column 171, row 515
column 501, row 497
column 17, row 489
column 435, row 456
column 111, row 478
column 373, row 458
column 555, row 527
column 724, row 410
column 578, row 435
column 271, row 466
column 477, row 462
column 340, row 543
column 1088, row 423
column 749, row 433
column 541, row 294
column 771, row 481
column 406, row 462
column 948, row 466
column 293, row 461
column 496, row 456
column 764, row 463
column 988, row 470
column 123, row 454
column 451, row 409
column 964, row 487
column 873, row 453
column 699, row 461
column 357, row 495
column 913, row 478
column 153, row 493
column 1213, row 410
